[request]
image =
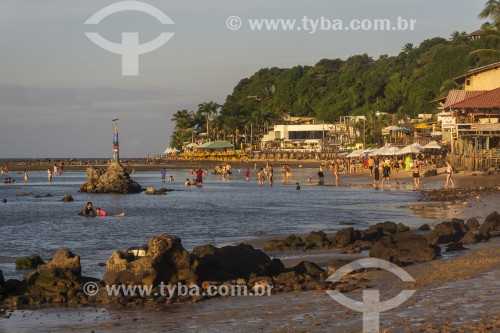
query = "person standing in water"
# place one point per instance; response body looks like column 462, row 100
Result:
column 449, row 174
column 386, row 174
column 49, row 175
column 376, row 176
column 270, row 173
column 163, row 174
column 199, row 176
column 247, row 175
column 26, row 175
column 416, row 176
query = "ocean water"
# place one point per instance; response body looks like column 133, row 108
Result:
column 222, row 212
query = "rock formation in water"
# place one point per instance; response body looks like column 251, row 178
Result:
column 113, row 179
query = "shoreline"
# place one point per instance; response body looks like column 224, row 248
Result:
column 451, row 272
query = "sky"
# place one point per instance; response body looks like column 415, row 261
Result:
column 59, row 91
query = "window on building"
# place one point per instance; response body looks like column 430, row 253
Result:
column 467, row 82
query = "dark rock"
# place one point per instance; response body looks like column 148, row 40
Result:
column 114, row 179
column 240, row 261
column 334, row 264
column 29, row 262
column 318, row 240
column 424, row 227
column 363, row 245
column 203, row 250
column 293, row 242
column 27, row 194
column 275, row 245
column 430, row 173
column 379, row 230
column 67, row 198
column 350, row 249
column 491, row 223
column 458, row 246
column 402, row 228
column 472, row 237
column 345, row 237
column 2, row 279
column 308, row 268
column 432, row 238
column 65, row 264
column 152, row 191
column 452, row 231
column 472, row 223
column 165, row 261
column 286, row 278
column 404, row 248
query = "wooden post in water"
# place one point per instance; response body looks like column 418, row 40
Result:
column 116, row 147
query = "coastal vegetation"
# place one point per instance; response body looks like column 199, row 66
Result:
column 399, row 85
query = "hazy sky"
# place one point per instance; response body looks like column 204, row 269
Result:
column 59, row 91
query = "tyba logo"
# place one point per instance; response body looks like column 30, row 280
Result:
column 130, row 49
column 371, row 306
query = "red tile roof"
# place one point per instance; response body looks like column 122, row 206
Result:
column 456, row 96
column 487, row 100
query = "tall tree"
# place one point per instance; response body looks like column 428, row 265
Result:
column 184, row 123
column 209, row 110
column 491, row 11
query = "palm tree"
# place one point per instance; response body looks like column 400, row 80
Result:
column 184, row 123
column 374, row 125
column 408, row 47
column 491, row 10
column 208, row 110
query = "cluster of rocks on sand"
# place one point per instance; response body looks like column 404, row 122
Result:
column 396, row 242
column 166, row 261
column 113, row 179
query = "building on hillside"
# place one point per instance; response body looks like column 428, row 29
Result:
column 474, row 35
column 475, row 136
column 311, row 137
column 482, row 78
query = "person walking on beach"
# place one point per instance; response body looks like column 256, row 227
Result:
column 416, row 176
column 163, row 174
column 371, row 163
column 449, row 174
column 25, row 175
column 386, row 175
column 49, row 175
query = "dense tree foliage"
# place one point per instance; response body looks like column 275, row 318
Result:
column 401, row 85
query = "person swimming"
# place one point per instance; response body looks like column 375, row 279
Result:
column 88, row 210
column 187, row 182
column 100, row 212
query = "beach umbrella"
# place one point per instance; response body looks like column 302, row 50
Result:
column 409, row 150
column 432, row 145
column 418, row 146
column 390, row 151
column 379, row 151
column 170, row 150
column 392, row 128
